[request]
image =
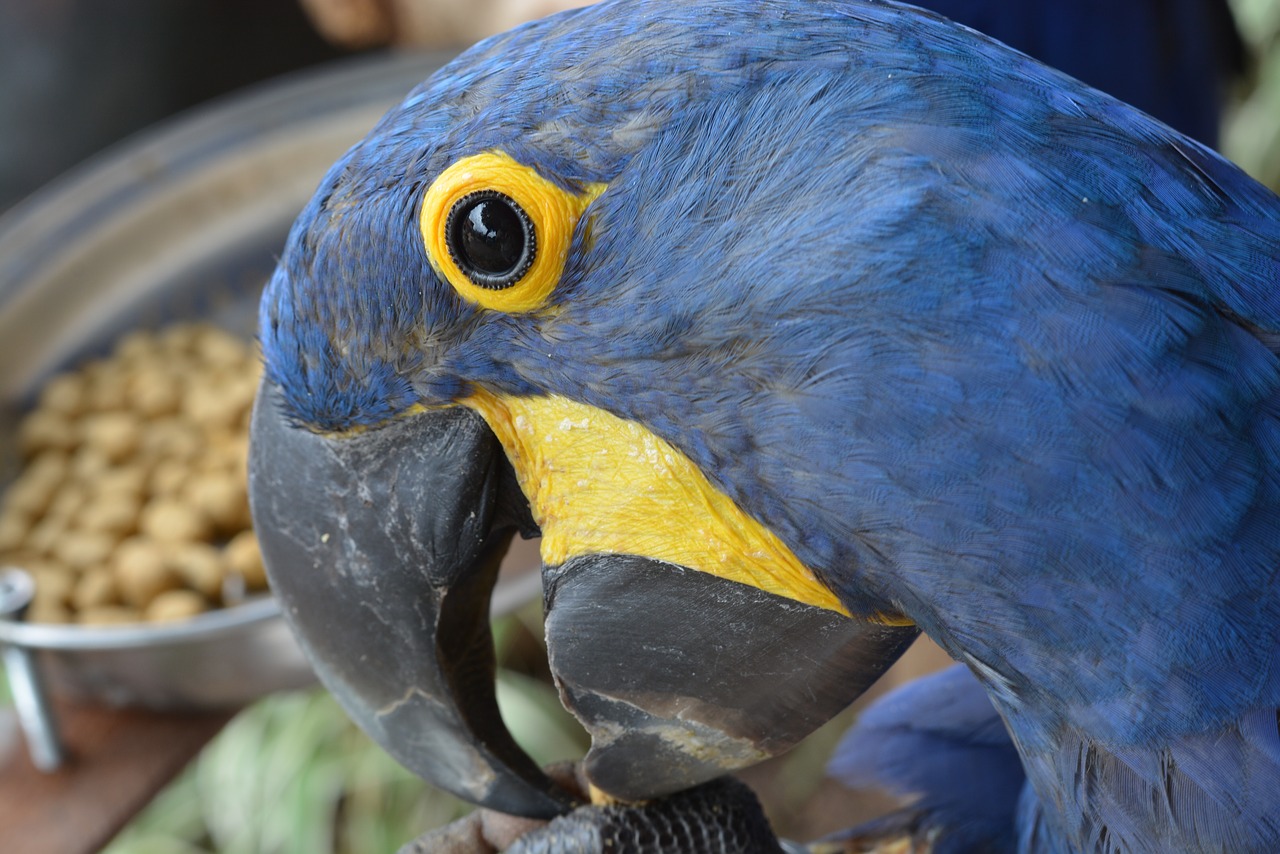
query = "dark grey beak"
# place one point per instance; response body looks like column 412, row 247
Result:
column 383, row 548
column 681, row 676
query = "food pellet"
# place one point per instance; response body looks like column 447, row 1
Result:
column 112, row 434
column 153, row 392
column 110, row 513
column 84, row 550
column 67, row 503
column 106, row 388
column 220, row 498
column 175, row 605
column 54, row 584
column 13, row 530
column 64, row 394
column 201, row 567
column 142, row 571
column 245, row 560
column 172, row 520
column 168, row 476
column 95, row 588
column 88, row 462
column 115, row 483
column 45, row 430
column 171, row 438
column 45, row 536
column 108, row 615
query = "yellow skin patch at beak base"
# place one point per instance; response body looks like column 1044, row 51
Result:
column 599, row 485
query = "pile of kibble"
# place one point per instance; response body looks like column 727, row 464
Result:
column 131, row 504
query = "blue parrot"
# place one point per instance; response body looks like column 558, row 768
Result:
column 793, row 329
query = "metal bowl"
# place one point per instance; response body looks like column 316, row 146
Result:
column 178, row 223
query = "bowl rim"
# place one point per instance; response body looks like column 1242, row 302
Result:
column 203, row 627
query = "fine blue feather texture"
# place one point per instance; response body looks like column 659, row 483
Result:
column 980, row 344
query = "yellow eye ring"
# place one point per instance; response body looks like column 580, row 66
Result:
column 499, row 232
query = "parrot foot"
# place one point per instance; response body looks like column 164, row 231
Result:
column 719, row 817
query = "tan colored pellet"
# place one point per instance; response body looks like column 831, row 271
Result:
column 114, row 434
column 245, row 560
column 153, row 391
column 175, row 605
column 95, row 588
column 221, row 498
column 108, row 615
column 201, row 567
column 112, row 513
column 64, row 394
column 14, row 526
column 171, row 520
column 45, row 430
column 54, row 583
column 142, row 572
column 84, row 550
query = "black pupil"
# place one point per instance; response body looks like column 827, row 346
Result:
column 489, row 235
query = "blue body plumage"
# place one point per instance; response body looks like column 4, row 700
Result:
column 981, row 345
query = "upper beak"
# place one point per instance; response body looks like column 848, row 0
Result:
column 383, row 548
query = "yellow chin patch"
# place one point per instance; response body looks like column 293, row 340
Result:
column 598, row 484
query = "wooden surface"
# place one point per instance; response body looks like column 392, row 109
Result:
column 118, row 761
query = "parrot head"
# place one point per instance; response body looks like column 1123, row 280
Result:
column 485, row 324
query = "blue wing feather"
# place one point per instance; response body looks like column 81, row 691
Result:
column 939, row 743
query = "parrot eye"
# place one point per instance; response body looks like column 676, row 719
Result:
column 490, row 238
column 498, row 232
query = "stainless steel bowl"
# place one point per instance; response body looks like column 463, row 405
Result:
column 178, row 223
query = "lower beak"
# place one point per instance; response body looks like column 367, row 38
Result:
column 691, row 676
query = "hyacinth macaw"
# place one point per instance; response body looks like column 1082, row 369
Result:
column 793, row 328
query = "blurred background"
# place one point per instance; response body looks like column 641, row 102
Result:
column 290, row 773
